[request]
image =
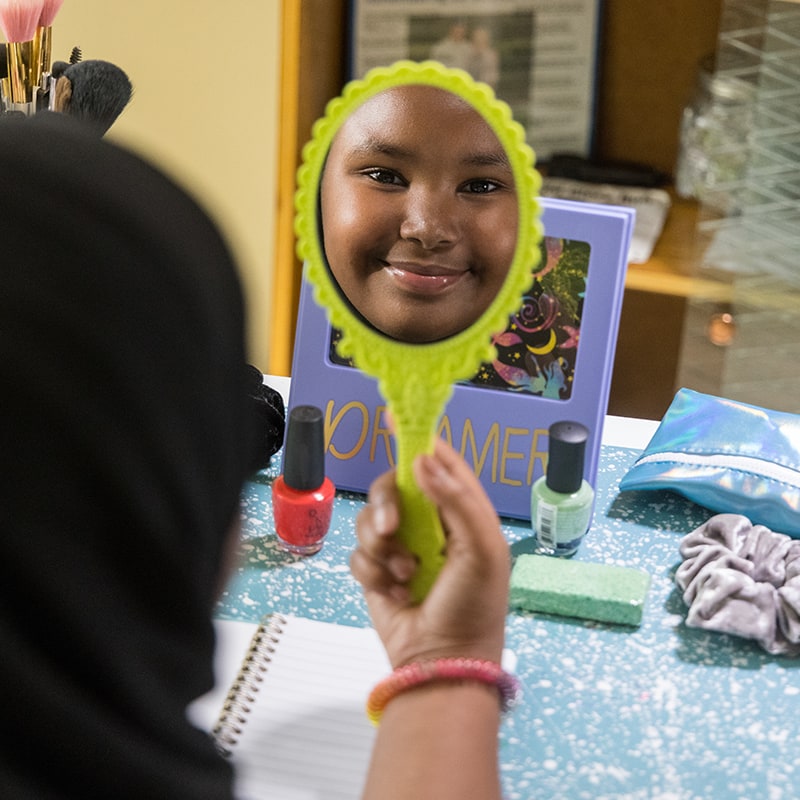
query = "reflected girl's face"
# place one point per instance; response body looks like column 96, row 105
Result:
column 419, row 213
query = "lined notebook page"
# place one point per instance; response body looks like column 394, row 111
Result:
column 307, row 736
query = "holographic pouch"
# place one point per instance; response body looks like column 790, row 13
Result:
column 727, row 456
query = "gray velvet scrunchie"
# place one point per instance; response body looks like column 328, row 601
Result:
column 743, row 579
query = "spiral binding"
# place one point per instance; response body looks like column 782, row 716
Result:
column 245, row 687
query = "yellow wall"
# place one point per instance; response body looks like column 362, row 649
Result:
column 205, row 106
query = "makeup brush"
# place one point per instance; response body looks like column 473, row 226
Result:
column 93, row 91
column 43, row 40
column 19, row 19
column 57, row 70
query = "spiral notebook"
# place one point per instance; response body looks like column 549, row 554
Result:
column 288, row 709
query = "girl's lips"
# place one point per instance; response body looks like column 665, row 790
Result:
column 424, row 278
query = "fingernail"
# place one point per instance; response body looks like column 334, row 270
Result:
column 401, row 567
column 381, row 519
column 437, row 472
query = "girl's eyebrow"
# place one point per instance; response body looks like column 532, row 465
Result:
column 489, row 159
column 372, row 145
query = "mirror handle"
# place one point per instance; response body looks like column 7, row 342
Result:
column 421, row 532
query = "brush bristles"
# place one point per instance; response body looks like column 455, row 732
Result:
column 95, row 92
column 19, row 19
column 49, row 10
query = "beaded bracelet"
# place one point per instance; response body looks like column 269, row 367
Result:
column 442, row 669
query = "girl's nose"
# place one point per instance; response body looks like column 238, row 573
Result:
column 431, row 219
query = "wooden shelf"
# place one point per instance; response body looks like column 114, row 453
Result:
column 670, row 270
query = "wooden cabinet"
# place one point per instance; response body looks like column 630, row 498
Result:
column 647, row 64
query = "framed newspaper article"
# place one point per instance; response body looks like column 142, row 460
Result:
column 539, row 56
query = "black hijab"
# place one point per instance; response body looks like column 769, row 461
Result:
column 123, row 426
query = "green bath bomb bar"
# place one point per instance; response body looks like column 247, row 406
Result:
column 601, row 592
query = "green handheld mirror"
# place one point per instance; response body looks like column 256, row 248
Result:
column 418, row 222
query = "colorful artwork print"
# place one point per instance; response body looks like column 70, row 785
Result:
column 536, row 354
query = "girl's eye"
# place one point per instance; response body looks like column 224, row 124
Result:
column 481, row 186
column 386, row 176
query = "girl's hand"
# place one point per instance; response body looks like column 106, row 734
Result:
column 464, row 612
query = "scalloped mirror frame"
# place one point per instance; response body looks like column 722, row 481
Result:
column 416, row 380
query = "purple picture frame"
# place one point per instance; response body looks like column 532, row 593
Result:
column 501, row 433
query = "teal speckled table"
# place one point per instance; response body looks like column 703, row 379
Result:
column 660, row 711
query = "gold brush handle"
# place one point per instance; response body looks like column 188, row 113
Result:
column 21, row 71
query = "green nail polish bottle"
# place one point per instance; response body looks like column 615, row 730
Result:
column 562, row 501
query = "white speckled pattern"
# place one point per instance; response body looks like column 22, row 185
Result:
column 660, row 712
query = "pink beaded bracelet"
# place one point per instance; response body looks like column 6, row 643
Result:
column 442, row 669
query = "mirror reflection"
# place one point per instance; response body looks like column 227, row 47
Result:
column 418, row 212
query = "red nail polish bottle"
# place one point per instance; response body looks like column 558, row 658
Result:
column 302, row 498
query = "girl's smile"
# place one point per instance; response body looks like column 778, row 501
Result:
column 423, row 278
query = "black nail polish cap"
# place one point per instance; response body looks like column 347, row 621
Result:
column 304, row 457
column 565, row 456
